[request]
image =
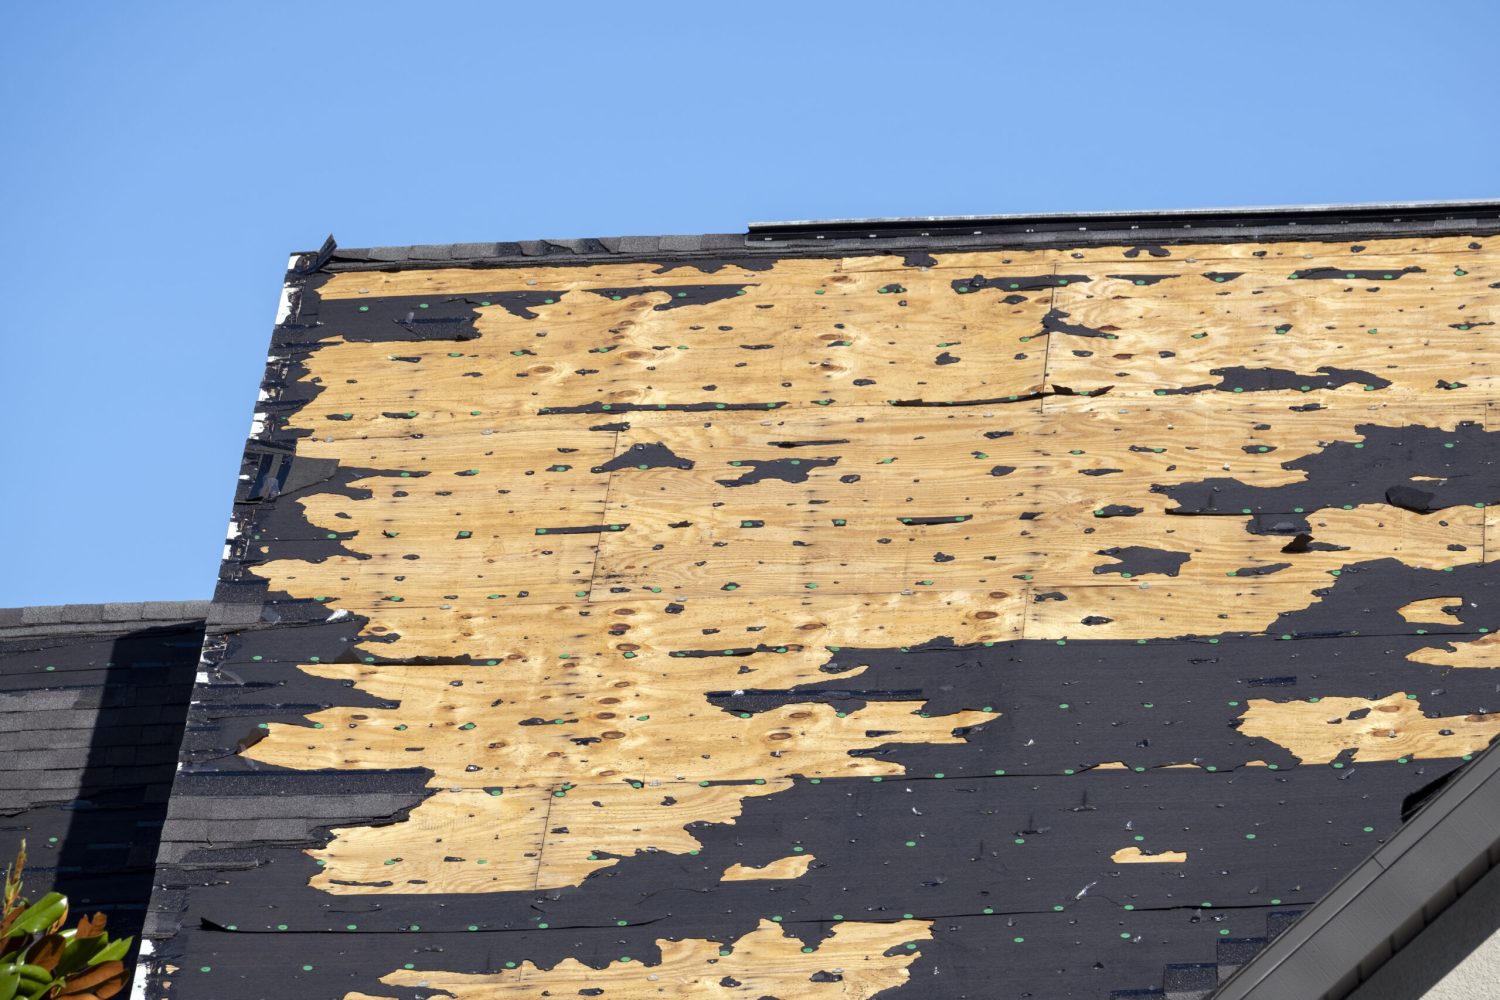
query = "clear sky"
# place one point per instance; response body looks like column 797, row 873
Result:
column 159, row 161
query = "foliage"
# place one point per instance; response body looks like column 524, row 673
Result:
column 40, row 959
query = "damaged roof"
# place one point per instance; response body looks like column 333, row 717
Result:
column 1049, row 606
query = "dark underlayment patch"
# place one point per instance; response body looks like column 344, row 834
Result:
column 1239, row 379
column 645, row 456
column 1431, row 468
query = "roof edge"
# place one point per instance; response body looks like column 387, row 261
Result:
column 1338, row 208
column 113, row 617
column 1376, row 216
column 1380, row 906
column 950, row 234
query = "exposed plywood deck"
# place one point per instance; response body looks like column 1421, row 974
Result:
column 700, row 581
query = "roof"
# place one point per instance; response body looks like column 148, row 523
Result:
column 978, row 613
column 93, row 699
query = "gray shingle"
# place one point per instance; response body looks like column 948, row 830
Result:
column 723, row 241
column 75, row 759
column 468, row 251
column 53, row 720
column 46, row 700
column 174, row 610
column 173, row 853
column 640, row 244
column 587, row 246
column 233, row 614
column 184, row 831
column 311, row 808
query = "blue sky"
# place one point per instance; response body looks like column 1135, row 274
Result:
column 159, row 162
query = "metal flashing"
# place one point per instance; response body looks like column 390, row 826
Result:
column 1369, row 218
column 1379, row 907
column 855, row 237
column 1114, row 216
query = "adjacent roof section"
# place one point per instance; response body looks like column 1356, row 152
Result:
column 93, row 698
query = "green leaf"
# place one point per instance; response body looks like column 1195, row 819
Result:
column 77, row 954
column 10, row 982
column 112, row 952
column 34, row 981
column 42, row 915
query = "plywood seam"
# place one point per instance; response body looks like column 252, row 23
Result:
column 541, row 853
column 1041, row 404
column 609, row 483
column 1484, row 531
column 1025, row 606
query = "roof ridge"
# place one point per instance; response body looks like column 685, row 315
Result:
column 852, row 237
column 111, row 613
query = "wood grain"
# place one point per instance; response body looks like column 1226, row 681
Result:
column 765, row 962
column 1385, row 729
column 791, row 866
column 1480, row 653
column 1136, row 856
